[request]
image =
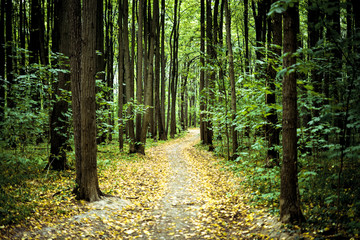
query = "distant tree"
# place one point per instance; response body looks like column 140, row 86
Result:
column 272, row 131
column 162, row 127
column 2, row 60
column 290, row 211
column 234, row 133
column 202, row 73
column 58, row 120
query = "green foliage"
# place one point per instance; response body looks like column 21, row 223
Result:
column 31, row 96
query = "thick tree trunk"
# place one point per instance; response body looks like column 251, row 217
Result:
column 74, row 22
column 89, row 186
column 290, row 211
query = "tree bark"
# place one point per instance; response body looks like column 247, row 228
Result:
column 89, row 187
column 74, row 22
column 290, row 211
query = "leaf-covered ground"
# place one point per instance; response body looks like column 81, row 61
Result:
column 175, row 192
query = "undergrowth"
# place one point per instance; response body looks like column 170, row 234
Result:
column 328, row 214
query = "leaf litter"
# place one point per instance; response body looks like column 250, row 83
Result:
column 176, row 191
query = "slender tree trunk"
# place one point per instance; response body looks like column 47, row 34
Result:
column 2, row 61
column 37, row 44
column 290, row 211
column 139, row 71
column 149, row 83
column 174, row 75
column 162, row 130
column 129, row 78
column 100, row 68
column 234, row 133
column 121, row 71
column 89, row 187
column 58, row 121
column 210, row 49
column 8, row 53
column 272, row 132
column 202, row 73
column 246, row 34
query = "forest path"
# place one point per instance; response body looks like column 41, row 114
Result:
column 176, row 191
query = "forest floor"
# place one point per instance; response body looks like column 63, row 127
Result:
column 176, row 191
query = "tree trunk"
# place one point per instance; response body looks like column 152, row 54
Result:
column 210, row 50
column 121, row 67
column 2, row 61
column 162, row 130
column 74, row 22
column 234, row 134
column 37, row 44
column 100, row 69
column 290, row 211
column 10, row 98
column 129, row 77
column 202, row 74
column 272, row 132
column 89, row 187
column 139, row 71
column 174, row 76
column 59, row 134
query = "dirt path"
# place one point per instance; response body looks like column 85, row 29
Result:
column 180, row 204
column 176, row 192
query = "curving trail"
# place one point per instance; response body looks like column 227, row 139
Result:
column 180, row 204
column 175, row 192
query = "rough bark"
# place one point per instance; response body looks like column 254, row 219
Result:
column 89, row 186
column 74, row 22
column 290, row 211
